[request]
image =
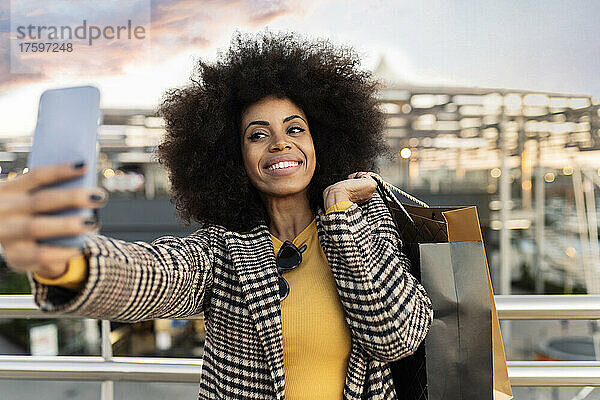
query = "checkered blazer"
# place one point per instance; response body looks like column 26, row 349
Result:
column 232, row 278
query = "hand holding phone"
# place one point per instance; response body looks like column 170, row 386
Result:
column 29, row 215
column 46, row 213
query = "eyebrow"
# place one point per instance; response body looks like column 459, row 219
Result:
column 266, row 123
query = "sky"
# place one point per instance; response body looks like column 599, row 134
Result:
column 545, row 45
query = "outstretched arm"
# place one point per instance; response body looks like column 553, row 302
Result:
column 133, row 281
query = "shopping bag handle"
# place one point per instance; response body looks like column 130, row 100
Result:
column 384, row 188
column 393, row 191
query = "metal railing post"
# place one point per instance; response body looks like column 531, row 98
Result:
column 539, row 222
column 505, row 200
column 108, row 388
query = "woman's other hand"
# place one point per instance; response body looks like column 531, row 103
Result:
column 358, row 188
column 23, row 203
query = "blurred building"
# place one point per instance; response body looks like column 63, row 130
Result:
column 455, row 146
column 529, row 160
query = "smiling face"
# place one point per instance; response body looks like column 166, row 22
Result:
column 277, row 148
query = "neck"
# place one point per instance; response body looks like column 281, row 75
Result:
column 288, row 215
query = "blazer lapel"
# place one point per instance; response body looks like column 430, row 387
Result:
column 253, row 258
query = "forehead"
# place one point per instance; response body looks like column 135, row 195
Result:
column 271, row 108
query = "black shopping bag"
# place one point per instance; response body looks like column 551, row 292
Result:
column 462, row 357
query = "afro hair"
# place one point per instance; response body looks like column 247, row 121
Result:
column 201, row 149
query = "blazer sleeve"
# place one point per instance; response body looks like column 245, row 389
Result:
column 388, row 310
column 134, row 281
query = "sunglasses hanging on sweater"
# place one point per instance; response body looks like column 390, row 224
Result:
column 288, row 258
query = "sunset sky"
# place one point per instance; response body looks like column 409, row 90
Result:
column 537, row 45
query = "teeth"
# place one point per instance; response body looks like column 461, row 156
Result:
column 283, row 164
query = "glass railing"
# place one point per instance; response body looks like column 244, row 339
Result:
column 107, row 369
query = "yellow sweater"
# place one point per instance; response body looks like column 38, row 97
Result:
column 316, row 336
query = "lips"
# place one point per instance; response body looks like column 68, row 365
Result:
column 285, row 171
column 279, row 159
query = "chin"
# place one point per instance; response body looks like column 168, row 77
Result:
column 283, row 189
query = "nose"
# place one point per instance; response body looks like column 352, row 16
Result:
column 279, row 142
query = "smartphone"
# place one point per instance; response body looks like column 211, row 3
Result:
column 67, row 131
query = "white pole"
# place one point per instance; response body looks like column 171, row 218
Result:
column 592, row 222
column 590, row 198
column 583, row 229
column 108, row 390
column 539, row 221
column 593, row 228
column 505, row 267
column 504, row 216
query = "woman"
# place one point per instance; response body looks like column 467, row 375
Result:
column 297, row 266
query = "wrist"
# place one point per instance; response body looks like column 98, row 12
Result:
column 52, row 271
column 334, row 196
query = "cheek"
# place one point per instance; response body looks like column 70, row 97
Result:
column 310, row 151
column 251, row 158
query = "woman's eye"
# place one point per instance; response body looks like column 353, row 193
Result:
column 295, row 129
column 256, row 135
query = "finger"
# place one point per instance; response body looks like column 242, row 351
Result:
column 44, row 227
column 28, row 256
column 20, row 255
column 48, row 200
column 46, row 175
column 12, row 203
column 366, row 174
column 56, row 258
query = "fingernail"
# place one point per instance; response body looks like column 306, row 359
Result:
column 96, row 197
column 78, row 165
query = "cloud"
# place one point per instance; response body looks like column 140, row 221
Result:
column 172, row 27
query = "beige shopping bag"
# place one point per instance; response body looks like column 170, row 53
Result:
column 463, row 225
